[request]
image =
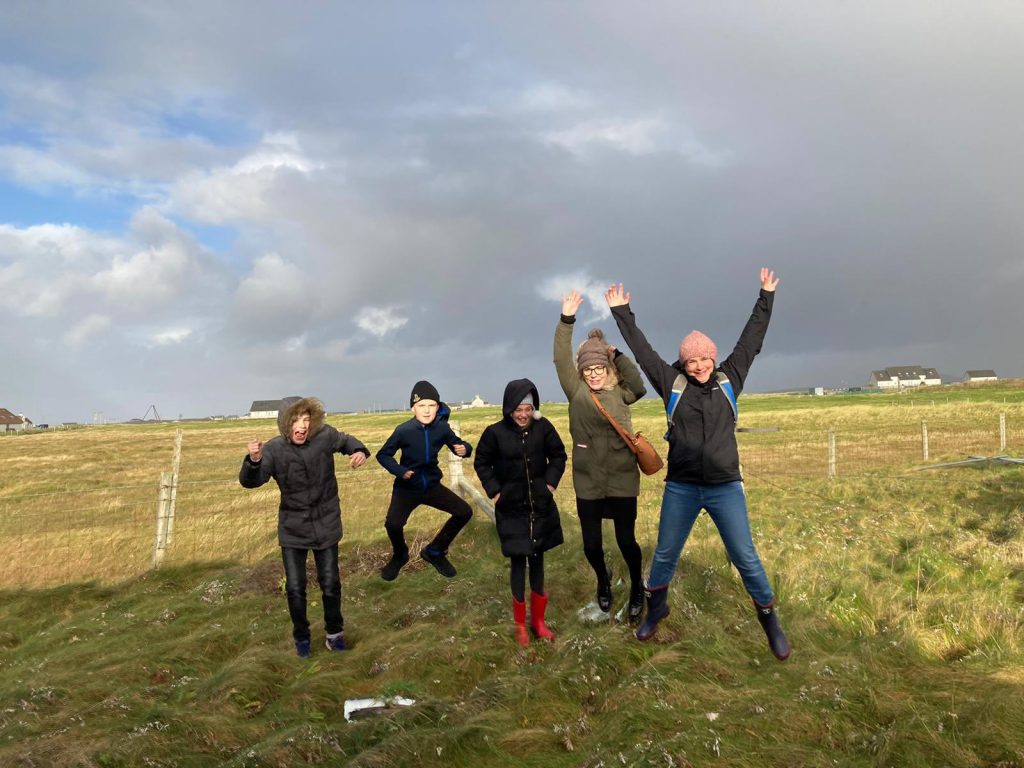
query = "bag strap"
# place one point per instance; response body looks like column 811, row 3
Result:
column 627, row 438
column 680, row 384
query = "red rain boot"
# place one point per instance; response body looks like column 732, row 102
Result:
column 538, row 604
column 519, row 616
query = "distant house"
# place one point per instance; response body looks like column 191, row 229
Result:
column 268, row 409
column 973, row 376
column 478, row 402
column 901, row 376
column 13, row 422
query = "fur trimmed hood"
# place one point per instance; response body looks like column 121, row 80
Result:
column 295, row 407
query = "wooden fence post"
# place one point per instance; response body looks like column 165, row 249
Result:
column 173, row 504
column 461, row 485
column 161, row 518
column 1002, row 433
column 831, row 453
column 924, row 439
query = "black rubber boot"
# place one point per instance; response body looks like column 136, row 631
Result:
column 604, row 591
column 777, row 639
column 636, row 604
column 657, row 609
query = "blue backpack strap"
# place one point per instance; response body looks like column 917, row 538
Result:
column 673, row 400
column 726, row 386
column 677, row 393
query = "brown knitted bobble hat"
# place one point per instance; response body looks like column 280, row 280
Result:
column 593, row 351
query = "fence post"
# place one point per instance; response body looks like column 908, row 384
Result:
column 161, row 519
column 1002, row 433
column 831, row 453
column 924, row 439
column 461, row 485
column 173, row 503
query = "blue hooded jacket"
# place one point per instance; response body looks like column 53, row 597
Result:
column 419, row 444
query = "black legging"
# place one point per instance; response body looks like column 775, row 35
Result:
column 517, row 575
column 622, row 511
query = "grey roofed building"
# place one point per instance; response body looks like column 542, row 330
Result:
column 905, row 376
column 268, row 409
column 982, row 375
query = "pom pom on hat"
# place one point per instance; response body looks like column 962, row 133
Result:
column 593, row 351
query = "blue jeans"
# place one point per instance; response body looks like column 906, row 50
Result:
column 727, row 506
column 295, row 588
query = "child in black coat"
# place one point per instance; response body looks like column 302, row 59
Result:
column 519, row 462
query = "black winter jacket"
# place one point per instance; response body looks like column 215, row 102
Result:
column 309, row 516
column 419, row 444
column 702, row 438
column 520, row 464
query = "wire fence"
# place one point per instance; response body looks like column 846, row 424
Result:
column 56, row 530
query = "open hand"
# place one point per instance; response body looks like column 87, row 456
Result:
column 255, row 449
column 616, row 296
column 768, row 279
column 571, row 303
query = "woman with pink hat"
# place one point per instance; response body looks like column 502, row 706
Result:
column 703, row 460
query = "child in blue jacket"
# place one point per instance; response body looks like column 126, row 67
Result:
column 418, row 480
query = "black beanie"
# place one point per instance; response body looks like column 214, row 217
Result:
column 423, row 390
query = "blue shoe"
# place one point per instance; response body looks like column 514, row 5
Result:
column 303, row 649
column 336, row 642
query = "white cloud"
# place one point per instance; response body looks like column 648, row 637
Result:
column 242, row 192
column 552, row 97
column 84, row 329
column 380, row 321
column 637, row 137
column 556, row 286
column 171, row 336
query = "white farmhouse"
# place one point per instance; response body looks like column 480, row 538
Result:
column 13, row 422
column 971, row 377
column 901, row 376
column 268, row 409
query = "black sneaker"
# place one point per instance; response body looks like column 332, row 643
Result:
column 390, row 571
column 439, row 561
column 604, row 591
column 636, row 605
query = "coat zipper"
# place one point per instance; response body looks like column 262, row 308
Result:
column 529, row 489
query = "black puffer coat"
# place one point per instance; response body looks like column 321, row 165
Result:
column 309, row 516
column 520, row 464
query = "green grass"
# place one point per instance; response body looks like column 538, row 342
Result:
column 902, row 593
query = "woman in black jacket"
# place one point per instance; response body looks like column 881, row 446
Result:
column 519, row 461
column 703, row 460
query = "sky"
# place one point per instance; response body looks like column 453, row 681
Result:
column 206, row 204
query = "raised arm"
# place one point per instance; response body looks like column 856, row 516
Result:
column 737, row 364
column 568, row 376
column 257, row 466
column 659, row 373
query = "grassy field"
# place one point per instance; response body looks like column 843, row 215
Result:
column 902, row 592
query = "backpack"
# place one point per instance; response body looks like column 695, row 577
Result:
column 677, row 393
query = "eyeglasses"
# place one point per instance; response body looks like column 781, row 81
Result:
column 594, row 370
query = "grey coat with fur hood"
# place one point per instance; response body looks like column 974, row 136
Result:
column 309, row 516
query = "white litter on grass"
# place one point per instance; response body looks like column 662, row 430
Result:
column 353, row 706
column 592, row 613
column 712, row 716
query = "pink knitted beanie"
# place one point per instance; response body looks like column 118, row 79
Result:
column 697, row 345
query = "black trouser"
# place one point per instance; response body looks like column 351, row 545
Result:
column 517, row 576
column 295, row 587
column 439, row 497
column 622, row 511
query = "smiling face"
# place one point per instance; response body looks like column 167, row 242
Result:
column 700, row 368
column 523, row 415
column 300, row 429
column 425, row 411
column 595, row 376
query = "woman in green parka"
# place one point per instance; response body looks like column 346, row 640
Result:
column 604, row 470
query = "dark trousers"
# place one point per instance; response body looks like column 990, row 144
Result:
column 517, row 575
column 622, row 511
column 439, row 497
column 295, row 587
